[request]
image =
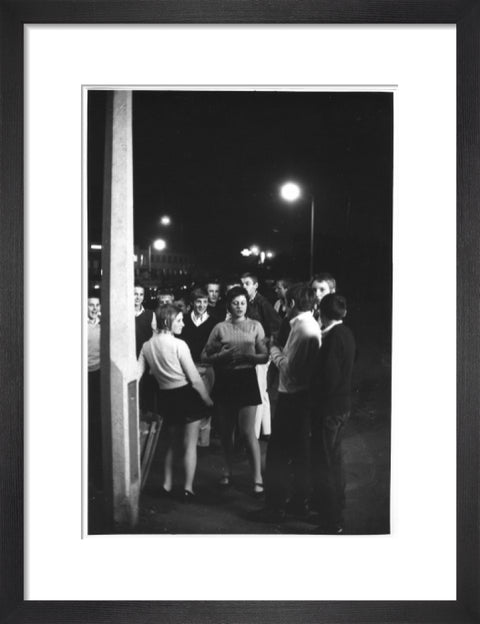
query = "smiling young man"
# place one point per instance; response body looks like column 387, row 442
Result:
column 198, row 324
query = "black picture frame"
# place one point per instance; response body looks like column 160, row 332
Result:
column 14, row 14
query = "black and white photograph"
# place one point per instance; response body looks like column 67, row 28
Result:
column 259, row 228
column 239, row 310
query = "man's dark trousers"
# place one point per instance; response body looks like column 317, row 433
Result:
column 328, row 475
column 288, row 451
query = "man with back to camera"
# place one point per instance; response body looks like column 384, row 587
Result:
column 288, row 447
column 331, row 389
column 260, row 309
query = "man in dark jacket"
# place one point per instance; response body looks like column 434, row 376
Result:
column 331, row 387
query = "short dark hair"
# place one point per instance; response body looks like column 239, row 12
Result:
column 236, row 291
column 324, row 277
column 166, row 314
column 333, row 307
column 138, row 285
column 94, row 294
column 252, row 276
column 303, row 296
column 198, row 293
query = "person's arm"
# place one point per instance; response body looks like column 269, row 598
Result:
column 154, row 323
column 214, row 352
column 278, row 357
column 303, row 357
column 141, row 363
column 261, row 349
column 331, row 365
column 191, row 372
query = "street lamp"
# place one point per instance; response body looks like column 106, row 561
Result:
column 290, row 191
column 165, row 220
column 159, row 245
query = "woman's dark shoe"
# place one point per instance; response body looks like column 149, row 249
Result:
column 188, row 497
column 165, row 493
column 258, row 490
column 225, row 481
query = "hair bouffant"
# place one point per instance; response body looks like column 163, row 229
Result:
column 234, row 292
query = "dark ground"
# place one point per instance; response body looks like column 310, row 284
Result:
column 219, row 510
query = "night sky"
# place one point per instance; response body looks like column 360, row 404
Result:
column 214, row 161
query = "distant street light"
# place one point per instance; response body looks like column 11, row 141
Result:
column 165, row 220
column 159, row 245
column 290, row 191
column 256, row 251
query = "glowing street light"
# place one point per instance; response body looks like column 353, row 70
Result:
column 290, row 191
column 159, row 244
column 165, row 220
column 255, row 250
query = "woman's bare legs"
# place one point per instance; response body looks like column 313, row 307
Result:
column 168, row 461
column 190, row 439
column 246, row 422
column 228, row 417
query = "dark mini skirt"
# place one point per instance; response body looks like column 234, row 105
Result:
column 236, row 387
column 181, row 405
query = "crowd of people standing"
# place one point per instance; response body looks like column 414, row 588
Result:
column 281, row 371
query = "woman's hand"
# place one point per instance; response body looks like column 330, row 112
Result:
column 227, row 355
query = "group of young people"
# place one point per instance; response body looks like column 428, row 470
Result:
column 281, row 370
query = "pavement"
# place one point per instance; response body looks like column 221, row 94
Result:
column 220, row 510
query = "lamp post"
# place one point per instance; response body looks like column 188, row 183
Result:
column 290, row 191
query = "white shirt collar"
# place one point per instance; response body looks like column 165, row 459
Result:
column 198, row 320
column 300, row 316
column 138, row 312
column 327, row 329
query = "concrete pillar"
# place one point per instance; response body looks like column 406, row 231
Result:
column 118, row 368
